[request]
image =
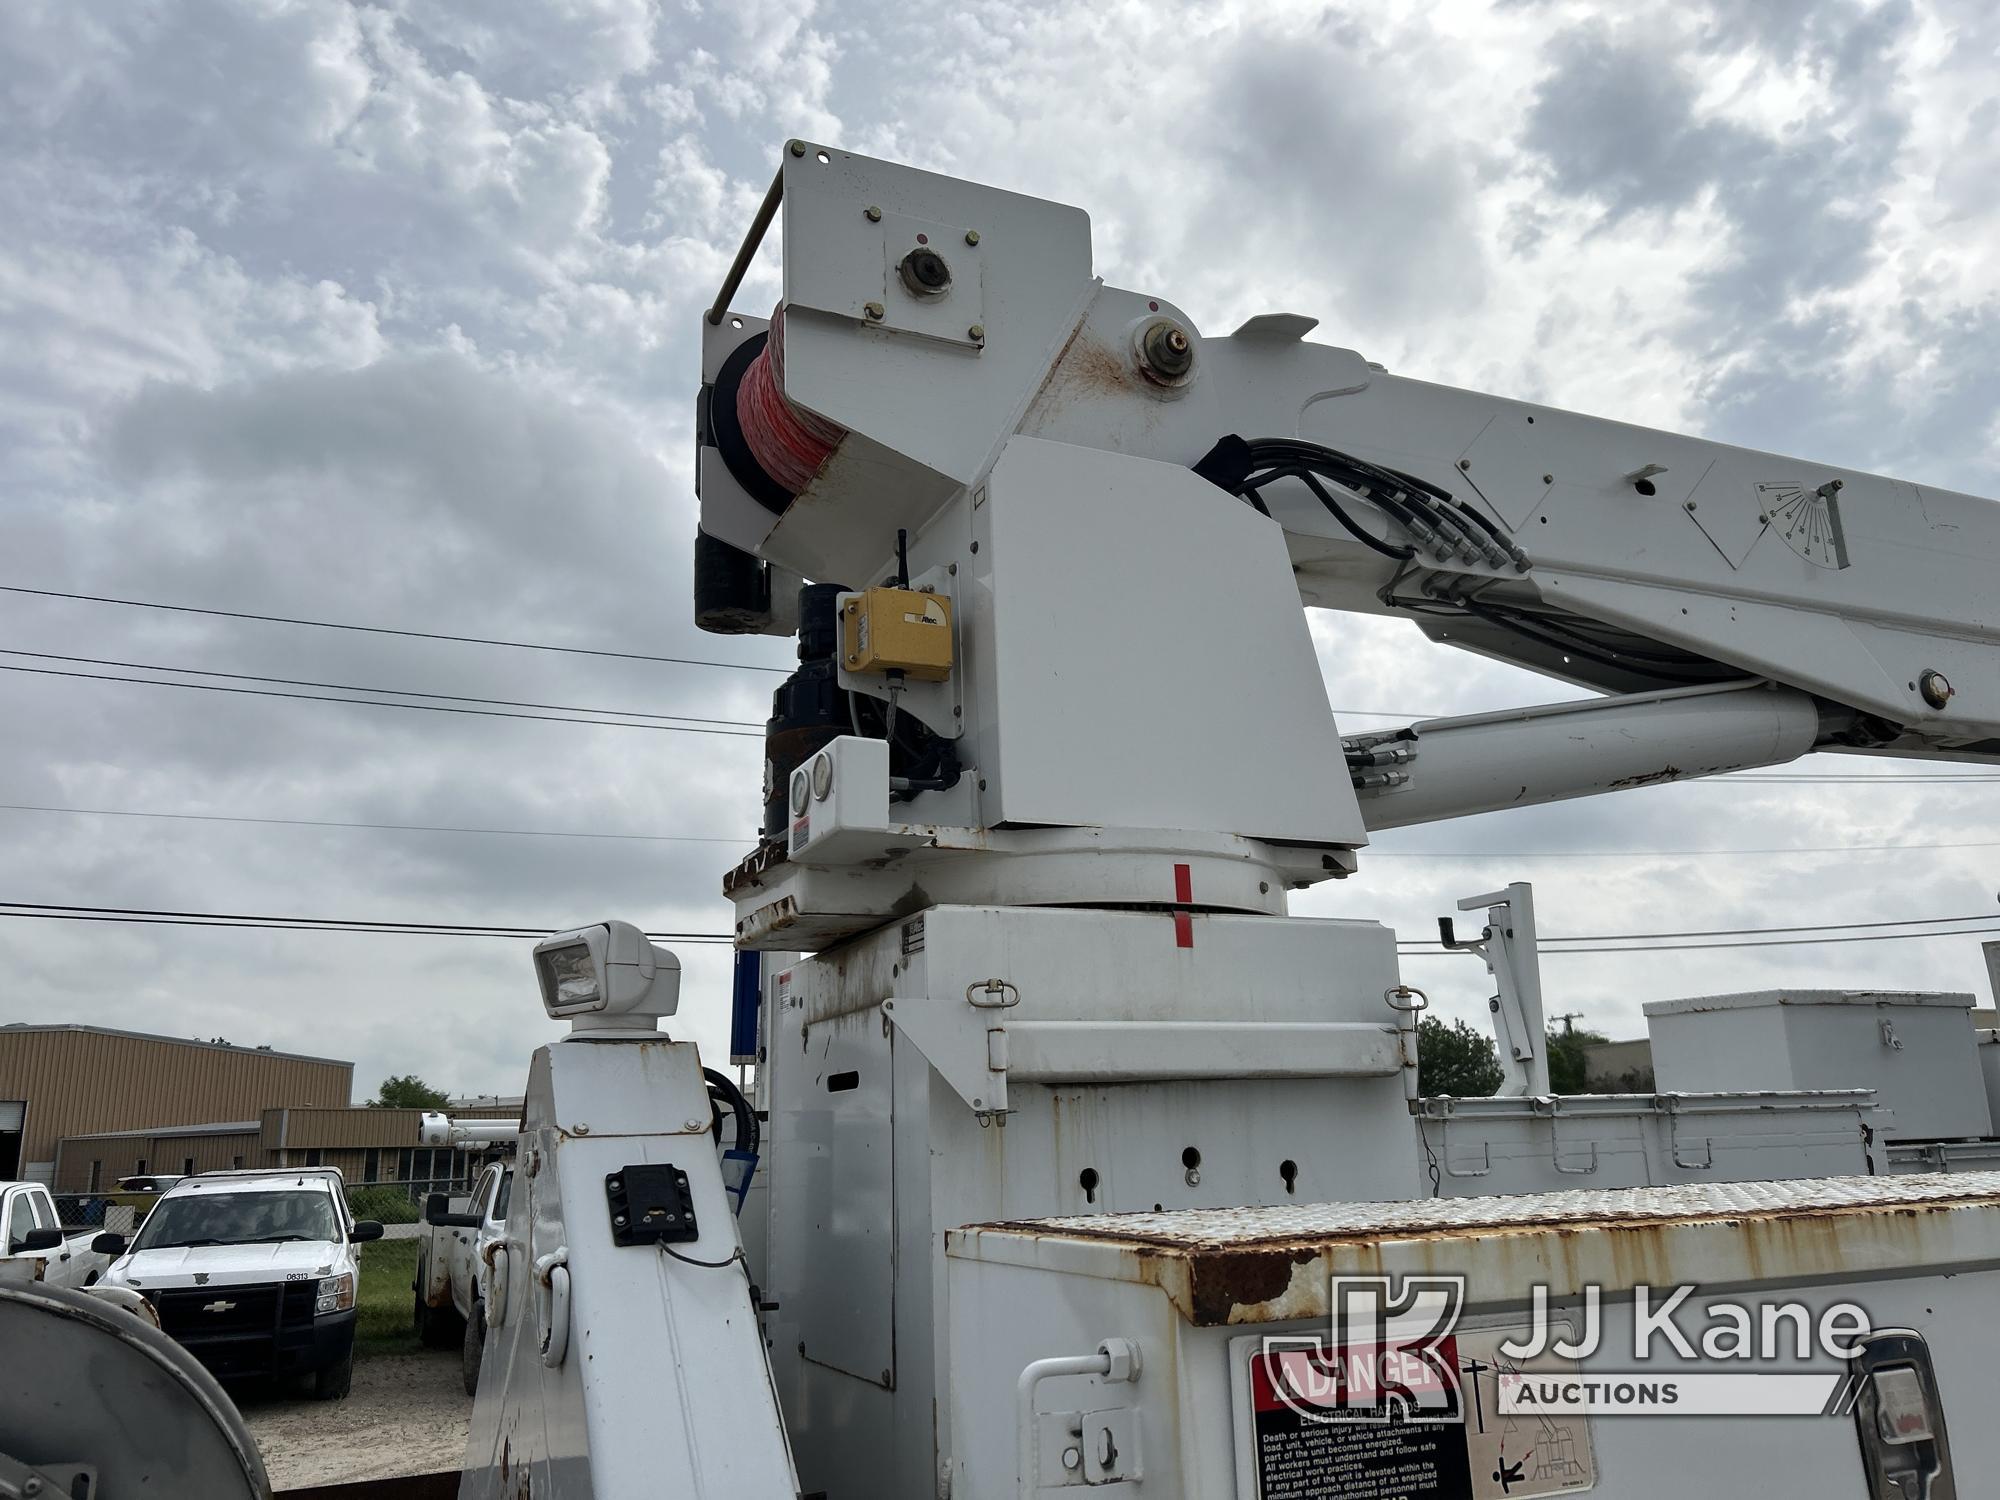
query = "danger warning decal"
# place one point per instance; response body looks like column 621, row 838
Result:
column 1371, row 1423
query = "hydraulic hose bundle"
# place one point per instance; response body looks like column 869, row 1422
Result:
column 1434, row 521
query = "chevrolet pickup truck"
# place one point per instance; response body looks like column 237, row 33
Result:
column 254, row 1273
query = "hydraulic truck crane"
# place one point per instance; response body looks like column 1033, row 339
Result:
column 1062, row 1103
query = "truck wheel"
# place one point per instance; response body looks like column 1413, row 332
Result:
column 474, row 1347
column 436, row 1326
column 334, row 1382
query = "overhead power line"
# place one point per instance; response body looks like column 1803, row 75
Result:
column 1703, row 932
column 1805, row 942
column 349, row 687
column 421, row 635
column 1859, row 778
column 431, row 708
column 389, row 827
column 1945, row 778
column 59, row 911
column 729, row 728
column 1516, row 855
column 1652, row 942
column 747, row 837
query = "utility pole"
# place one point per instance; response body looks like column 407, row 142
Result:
column 1569, row 1018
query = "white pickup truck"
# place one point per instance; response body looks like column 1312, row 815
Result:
column 253, row 1272
column 454, row 1273
column 30, row 1232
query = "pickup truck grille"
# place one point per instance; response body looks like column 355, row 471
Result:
column 238, row 1329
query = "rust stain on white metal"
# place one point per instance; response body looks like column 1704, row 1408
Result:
column 1261, row 1265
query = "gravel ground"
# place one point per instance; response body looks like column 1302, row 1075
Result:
column 408, row 1414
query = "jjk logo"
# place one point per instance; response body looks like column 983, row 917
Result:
column 1390, row 1356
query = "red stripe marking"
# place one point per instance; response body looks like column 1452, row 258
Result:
column 1184, row 885
column 1183, row 930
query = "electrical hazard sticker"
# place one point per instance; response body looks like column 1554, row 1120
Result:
column 1394, row 1422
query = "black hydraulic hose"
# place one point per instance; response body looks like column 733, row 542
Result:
column 1396, row 551
column 1604, row 655
column 747, row 1137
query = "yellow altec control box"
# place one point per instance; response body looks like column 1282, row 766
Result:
column 897, row 630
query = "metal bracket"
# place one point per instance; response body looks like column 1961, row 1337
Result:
column 1551, row 1106
column 1440, row 1110
column 955, row 1042
column 552, row 1286
column 1508, row 947
column 497, row 1257
column 1672, row 1105
column 19, row 1481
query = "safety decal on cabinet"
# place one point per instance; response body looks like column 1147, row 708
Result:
column 1339, row 1425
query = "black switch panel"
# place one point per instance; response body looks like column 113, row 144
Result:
column 650, row 1205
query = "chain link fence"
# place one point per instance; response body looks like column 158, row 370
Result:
column 386, row 1202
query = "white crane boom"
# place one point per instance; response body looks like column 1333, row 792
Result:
column 1628, row 560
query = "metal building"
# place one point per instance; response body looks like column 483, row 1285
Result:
column 58, row 1081
column 367, row 1144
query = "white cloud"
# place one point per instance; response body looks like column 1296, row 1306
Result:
column 386, row 312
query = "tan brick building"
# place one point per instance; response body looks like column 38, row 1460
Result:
column 367, row 1145
column 58, row 1081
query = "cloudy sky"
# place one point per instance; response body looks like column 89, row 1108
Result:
column 385, row 313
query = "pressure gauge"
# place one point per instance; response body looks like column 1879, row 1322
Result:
column 799, row 793
column 822, row 776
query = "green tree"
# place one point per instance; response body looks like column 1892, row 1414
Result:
column 1455, row 1060
column 1569, row 1062
column 407, row 1091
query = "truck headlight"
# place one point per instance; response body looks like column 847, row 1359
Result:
column 336, row 1294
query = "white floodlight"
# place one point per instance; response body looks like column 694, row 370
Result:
column 607, row 977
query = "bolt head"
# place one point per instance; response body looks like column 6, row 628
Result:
column 1548, row 479
column 977, row 332
column 1166, row 351
column 873, row 310
column 1688, row 504
column 619, row 1220
column 874, row 214
column 697, row 1124
column 971, row 236
column 798, row 148
column 1465, row 463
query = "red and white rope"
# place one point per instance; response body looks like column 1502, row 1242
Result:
column 789, row 444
